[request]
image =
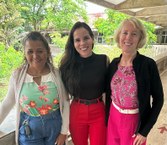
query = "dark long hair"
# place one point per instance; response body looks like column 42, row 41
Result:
column 69, row 66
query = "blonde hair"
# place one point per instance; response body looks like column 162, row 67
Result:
column 137, row 24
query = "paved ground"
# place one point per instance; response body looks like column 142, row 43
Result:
column 158, row 135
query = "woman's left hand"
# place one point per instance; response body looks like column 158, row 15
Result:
column 139, row 139
column 61, row 139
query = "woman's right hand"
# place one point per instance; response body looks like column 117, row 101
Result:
column 139, row 139
column 61, row 139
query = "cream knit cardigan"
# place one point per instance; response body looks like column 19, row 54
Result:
column 12, row 98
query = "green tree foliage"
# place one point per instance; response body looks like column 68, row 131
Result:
column 33, row 12
column 58, row 40
column 10, row 22
column 20, row 16
column 63, row 13
column 108, row 26
column 150, row 28
column 9, row 60
column 51, row 14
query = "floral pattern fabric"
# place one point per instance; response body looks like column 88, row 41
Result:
column 36, row 100
column 124, row 88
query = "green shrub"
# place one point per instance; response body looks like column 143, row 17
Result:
column 57, row 59
column 58, row 40
column 9, row 60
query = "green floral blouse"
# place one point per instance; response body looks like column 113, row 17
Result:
column 37, row 100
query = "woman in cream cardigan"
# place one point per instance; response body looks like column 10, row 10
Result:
column 42, row 104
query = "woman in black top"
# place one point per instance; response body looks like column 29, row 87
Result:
column 83, row 74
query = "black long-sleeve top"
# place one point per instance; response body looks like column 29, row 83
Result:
column 92, row 76
column 148, row 85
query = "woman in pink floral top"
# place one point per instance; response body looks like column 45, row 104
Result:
column 133, row 82
column 124, row 88
column 42, row 104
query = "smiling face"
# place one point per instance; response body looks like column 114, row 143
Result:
column 83, row 42
column 36, row 54
column 129, row 38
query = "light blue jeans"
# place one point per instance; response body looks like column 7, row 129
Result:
column 44, row 130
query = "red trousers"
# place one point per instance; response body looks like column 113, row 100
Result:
column 87, row 123
column 121, row 127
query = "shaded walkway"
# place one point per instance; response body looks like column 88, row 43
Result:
column 158, row 134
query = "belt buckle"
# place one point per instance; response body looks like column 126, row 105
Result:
column 87, row 102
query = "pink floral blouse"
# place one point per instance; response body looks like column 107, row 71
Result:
column 124, row 88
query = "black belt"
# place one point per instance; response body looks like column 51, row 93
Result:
column 88, row 102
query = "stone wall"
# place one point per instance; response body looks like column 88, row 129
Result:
column 161, row 61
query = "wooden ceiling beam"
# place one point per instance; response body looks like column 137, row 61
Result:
column 149, row 10
column 131, row 4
